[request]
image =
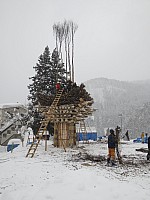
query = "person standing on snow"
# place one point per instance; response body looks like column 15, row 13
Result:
column 146, row 137
column 111, row 147
column 127, row 135
column 142, row 137
column 148, row 155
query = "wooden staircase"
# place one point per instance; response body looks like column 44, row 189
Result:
column 48, row 116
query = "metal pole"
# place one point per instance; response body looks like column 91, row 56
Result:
column 120, row 115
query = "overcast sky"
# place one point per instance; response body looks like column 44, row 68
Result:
column 112, row 40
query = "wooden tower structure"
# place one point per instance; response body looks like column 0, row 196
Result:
column 64, row 116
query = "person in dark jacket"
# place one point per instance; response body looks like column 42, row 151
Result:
column 149, row 143
column 127, row 135
column 111, row 147
column 148, row 155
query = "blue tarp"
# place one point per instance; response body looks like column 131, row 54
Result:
column 139, row 140
column 87, row 136
column 10, row 147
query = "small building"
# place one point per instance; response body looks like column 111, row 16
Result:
column 10, row 123
column 7, row 111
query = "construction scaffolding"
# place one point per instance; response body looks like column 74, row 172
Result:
column 64, row 118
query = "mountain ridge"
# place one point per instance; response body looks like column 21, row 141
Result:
column 113, row 97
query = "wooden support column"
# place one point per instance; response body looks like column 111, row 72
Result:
column 56, row 134
column 64, row 134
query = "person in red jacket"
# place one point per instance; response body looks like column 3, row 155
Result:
column 57, row 86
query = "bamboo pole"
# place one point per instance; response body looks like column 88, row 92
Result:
column 46, row 141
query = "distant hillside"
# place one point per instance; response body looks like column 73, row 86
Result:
column 113, row 97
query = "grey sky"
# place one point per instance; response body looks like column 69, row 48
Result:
column 112, row 40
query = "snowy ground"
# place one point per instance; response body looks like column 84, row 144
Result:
column 60, row 175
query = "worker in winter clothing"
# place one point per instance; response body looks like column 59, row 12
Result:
column 111, row 147
column 142, row 137
column 57, row 86
column 149, row 143
column 127, row 135
column 148, row 155
column 146, row 137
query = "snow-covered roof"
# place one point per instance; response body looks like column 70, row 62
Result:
column 14, row 141
column 11, row 105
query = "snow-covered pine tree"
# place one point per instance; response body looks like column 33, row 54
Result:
column 41, row 82
column 48, row 71
column 58, row 70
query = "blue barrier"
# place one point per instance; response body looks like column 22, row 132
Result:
column 87, row 136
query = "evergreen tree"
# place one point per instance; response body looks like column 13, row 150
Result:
column 58, row 70
column 42, row 79
column 49, row 70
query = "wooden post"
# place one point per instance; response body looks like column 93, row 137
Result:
column 55, row 134
column 64, row 134
column 117, row 144
column 46, row 141
column 12, row 147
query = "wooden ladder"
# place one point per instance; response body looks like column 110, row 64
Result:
column 44, row 123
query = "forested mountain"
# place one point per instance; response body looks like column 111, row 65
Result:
column 113, row 98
